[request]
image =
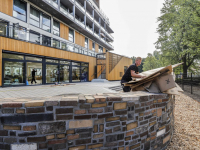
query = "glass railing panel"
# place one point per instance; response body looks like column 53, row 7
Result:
column 54, row 4
column 89, row 15
column 96, row 22
column 19, row 34
column 76, row 49
column 80, row 6
column 71, row 15
column 63, row 11
column 70, row 48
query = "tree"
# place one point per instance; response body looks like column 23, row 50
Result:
column 150, row 62
column 179, row 34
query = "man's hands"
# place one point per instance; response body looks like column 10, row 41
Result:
column 142, row 76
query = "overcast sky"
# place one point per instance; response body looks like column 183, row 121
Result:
column 134, row 23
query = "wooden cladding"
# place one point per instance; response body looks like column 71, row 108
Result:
column 79, row 39
column 64, row 31
column 96, row 48
column 6, row 7
column 90, row 44
column 30, row 48
column 104, row 50
column 118, row 69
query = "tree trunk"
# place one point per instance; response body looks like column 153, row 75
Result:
column 185, row 67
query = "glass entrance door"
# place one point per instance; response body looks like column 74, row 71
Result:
column 13, row 73
column 51, row 73
column 64, row 73
column 33, row 73
column 75, row 74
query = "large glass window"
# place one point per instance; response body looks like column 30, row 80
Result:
column 19, row 10
column 51, row 60
column 3, row 28
column 46, row 22
column 84, row 74
column 13, row 73
column 19, row 32
column 71, row 35
column 100, row 49
column 34, row 17
column 46, row 40
column 34, row 37
column 63, row 45
column 52, row 73
column 33, row 58
column 56, row 43
column 75, row 74
column 12, row 56
column 64, row 73
column 56, row 28
column 93, row 46
column 34, row 73
column 86, row 42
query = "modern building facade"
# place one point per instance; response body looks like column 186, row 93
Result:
column 59, row 39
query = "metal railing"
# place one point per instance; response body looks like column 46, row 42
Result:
column 89, row 15
column 23, row 34
column 52, row 3
column 80, row 23
column 79, row 6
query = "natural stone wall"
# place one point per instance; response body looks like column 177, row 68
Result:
column 135, row 120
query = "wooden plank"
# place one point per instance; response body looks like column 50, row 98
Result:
column 6, row 7
column 64, row 31
column 90, row 44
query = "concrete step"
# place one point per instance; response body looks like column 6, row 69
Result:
column 99, row 80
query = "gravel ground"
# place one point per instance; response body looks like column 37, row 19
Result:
column 187, row 123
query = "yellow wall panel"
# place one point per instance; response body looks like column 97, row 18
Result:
column 96, row 48
column 115, row 73
column 64, row 31
column 104, row 50
column 6, row 7
column 25, row 47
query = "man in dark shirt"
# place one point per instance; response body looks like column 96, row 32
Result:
column 33, row 76
column 132, row 71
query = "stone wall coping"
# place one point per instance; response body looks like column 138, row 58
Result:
column 85, row 98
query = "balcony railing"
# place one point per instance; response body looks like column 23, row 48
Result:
column 52, row 3
column 80, row 23
column 96, row 23
column 89, row 15
column 89, row 29
column 23, row 35
column 80, row 6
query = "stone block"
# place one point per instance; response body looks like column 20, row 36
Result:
column 72, row 137
column 144, row 122
column 95, row 146
column 108, row 131
column 53, row 127
column 161, row 132
column 108, row 109
column 42, row 146
column 112, row 118
column 121, row 112
column 99, row 105
column 153, row 123
column 64, row 110
column 49, row 108
column 85, row 135
column 95, row 136
column 32, row 146
column 129, row 133
column 100, row 98
column 60, row 136
column 68, row 103
column 115, row 137
column 159, row 112
column 3, row 133
column 99, row 121
column 81, row 124
column 144, row 98
column 36, row 139
column 7, row 127
column 95, row 110
column 70, row 132
column 105, row 115
column 139, row 110
column 35, row 110
column 118, row 106
column 131, row 125
column 25, row 134
column 20, row 111
column 49, row 137
column 166, row 139
column 34, row 104
column 114, row 98
column 127, row 138
column 101, row 127
column 12, row 105
column 56, row 141
column 135, row 146
column 78, row 148
column 84, row 130
column 118, row 128
column 83, row 141
column 112, row 123
column 83, row 111
column 64, row 117
column 83, row 117
column 7, row 111
column 51, row 103
column 85, row 106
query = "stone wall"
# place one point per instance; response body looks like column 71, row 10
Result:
column 136, row 120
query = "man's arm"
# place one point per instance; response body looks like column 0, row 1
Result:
column 135, row 75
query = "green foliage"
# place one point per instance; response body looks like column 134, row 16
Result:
column 179, row 34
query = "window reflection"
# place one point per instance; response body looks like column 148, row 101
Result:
column 52, row 73
column 13, row 73
column 75, row 74
column 19, row 10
